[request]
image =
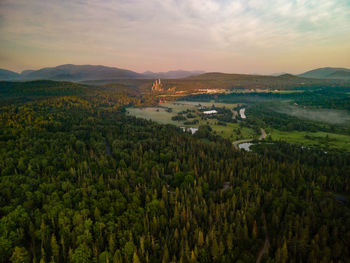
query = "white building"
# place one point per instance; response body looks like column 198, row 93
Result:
column 210, row 112
column 189, row 129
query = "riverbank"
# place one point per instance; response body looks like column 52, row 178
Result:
column 261, row 137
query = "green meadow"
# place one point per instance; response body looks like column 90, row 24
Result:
column 163, row 115
column 323, row 139
column 237, row 130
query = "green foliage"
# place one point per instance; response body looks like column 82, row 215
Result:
column 129, row 248
column 83, row 182
column 82, row 254
column 20, row 255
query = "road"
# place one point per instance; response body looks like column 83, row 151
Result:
column 262, row 136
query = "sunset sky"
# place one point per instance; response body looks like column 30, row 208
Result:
column 235, row 36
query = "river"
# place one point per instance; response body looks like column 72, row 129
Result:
column 242, row 113
column 245, row 146
column 246, row 143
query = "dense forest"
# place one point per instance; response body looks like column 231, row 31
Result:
column 322, row 96
column 80, row 181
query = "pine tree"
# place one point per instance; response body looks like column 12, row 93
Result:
column 214, row 249
column 82, row 254
column 193, row 257
column 200, row 238
column 117, row 257
column 55, row 248
column 284, row 252
column 135, row 258
column 20, row 255
column 165, row 254
column 111, row 243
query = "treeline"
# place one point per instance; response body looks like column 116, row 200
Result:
column 318, row 97
column 17, row 93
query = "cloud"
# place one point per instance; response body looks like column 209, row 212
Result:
column 124, row 29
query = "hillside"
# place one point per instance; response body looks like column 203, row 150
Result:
column 327, row 73
column 340, row 74
column 79, row 73
column 228, row 81
column 8, row 75
column 30, row 90
column 221, row 82
column 83, row 73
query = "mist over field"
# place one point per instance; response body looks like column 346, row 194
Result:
column 321, row 115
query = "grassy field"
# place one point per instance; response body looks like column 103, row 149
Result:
column 235, row 131
column 161, row 115
column 232, row 131
column 157, row 114
column 323, row 139
column 178, row 106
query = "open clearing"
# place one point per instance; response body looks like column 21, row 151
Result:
column 323, row 139
column 163, row 115
column 178, row 106
column 234, row 131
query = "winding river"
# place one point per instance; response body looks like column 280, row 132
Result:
column 242, row 113
column 246, row 143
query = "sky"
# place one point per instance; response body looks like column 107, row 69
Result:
column 233, row 36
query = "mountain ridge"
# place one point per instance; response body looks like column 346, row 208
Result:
column 327, row 73
column 8, row 74
column 71, row 72
column 78, row 73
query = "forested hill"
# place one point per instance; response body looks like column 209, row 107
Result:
column 8, row 74
column 327, row 73
column 71, row 72
column 228, row 81
column 82, row 182
column 20, row 92
column 41, row 88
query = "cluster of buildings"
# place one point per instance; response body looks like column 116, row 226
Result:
column 210, row 112
column 157, row 85
column 189, row 129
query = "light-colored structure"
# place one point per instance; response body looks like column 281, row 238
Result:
column 189, row 129
column 242, row 113
column 210, row 112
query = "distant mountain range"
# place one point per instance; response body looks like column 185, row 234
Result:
column 327, row 73
column 81, row 73
column 71, row 72
column 8, row 75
